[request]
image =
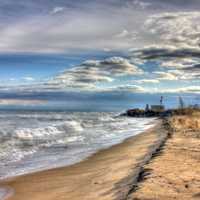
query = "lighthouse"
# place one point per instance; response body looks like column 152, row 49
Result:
column 158, row 108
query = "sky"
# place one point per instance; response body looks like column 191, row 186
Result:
column 100, row 46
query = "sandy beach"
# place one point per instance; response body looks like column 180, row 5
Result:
column 109, row 174
column 161, row 163
column 174, row 172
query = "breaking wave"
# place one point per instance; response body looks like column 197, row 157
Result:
column 41, row 140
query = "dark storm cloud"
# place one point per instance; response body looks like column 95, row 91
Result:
column 155, row 52
column 179, row 63
column 175, row 4
column 181, row 3
column 194, row 67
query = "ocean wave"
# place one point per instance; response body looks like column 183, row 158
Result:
column 36, row 140
column 37, row 133
column 22, row 142
column 45, row 132
column 69, row 126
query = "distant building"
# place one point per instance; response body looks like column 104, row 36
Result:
column 160, row 107
column 181, row 103
column 157, row 108
column 147, row 108
column 161, row 100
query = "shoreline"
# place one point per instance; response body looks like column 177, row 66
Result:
column 108, row 174
column 155, row 123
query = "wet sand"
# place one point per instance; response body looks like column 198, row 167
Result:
column 174, row 173
column 108, row 174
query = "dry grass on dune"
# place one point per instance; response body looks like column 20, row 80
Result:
column 187, row 121
column 187, row 111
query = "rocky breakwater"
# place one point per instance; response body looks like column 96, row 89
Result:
column 149, row 113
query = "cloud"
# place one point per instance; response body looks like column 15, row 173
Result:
column 163, row 51
column 124, row 88
column 141, row 4
column 175, row 74
column 188, row 89
column 175, row 45
column 122, row 34
column 126, row 35
column 179, row 63
column 23, row 102
column 148, row 81
column 92, row 72
column 12, row 79
column 128, row 88
column 178, row 28
column 166, row 76
column 83, row 27
column 92, row 25
column 176, row 35
column 171, row 40
column 28, row 78
column 57, row 10
column 176, row 32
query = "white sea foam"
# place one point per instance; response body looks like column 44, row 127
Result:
column 35, row 141
column 37, row 133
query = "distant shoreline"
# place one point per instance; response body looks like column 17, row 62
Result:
column 101, row 176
